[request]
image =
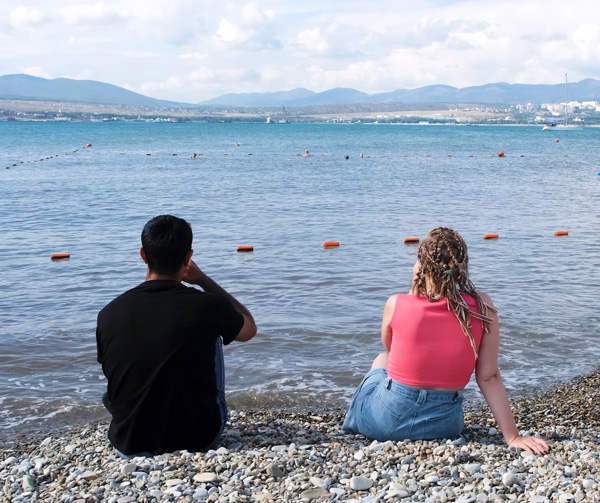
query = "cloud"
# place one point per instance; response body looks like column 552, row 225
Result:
column 24, row 18
column 36, row 71
column 248, row 28
column 85, row 14
column 192, row 55
column 202, row 74
column 189, row 50
column 173, row 82
column 312, row 40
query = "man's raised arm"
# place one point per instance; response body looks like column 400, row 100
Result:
column 195, row 276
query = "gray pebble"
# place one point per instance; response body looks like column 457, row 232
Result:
column 360, row 483
column 510, row 479
column 311, row 494
column 128, row 468
column 28, row 483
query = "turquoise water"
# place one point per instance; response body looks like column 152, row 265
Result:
column 318, row 311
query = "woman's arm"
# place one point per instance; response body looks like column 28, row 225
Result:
column 490, row 383
column 386, row 329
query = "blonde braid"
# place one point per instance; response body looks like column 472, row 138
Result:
column 444, row 260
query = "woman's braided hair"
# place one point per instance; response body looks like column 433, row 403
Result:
column 444, row 272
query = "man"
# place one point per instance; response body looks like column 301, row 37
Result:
column 160, row 346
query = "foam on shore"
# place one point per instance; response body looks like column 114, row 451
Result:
column 287, row 456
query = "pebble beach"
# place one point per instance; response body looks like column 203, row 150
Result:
column 283, row 456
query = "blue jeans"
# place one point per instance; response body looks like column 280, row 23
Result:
column 220, row 371
column 384, row 409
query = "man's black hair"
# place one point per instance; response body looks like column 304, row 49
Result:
column 166, row 240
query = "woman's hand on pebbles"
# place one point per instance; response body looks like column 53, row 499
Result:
column 530, row 444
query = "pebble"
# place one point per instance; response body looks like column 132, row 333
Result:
column 89, row 475
column 509, row 479
column 360, row 483
column 128, row 468
column 173, row 482
column 275, row 471
column 318, row 482
column 311, row 494
column 290, row 457
column 205, row 477
column 28, row 483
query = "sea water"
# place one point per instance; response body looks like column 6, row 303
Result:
column 318, row 310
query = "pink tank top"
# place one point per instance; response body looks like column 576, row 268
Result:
column 429, row 348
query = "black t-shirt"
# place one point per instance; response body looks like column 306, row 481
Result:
column 156, row 343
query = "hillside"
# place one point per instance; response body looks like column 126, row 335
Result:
column 497, row 93
column 27, row 87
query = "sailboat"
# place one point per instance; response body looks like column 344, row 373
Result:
column 284, row 119
column 566, row 124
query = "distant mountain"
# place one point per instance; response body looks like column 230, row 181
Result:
column 27, row 87
column 260, row 99
column 498, row 93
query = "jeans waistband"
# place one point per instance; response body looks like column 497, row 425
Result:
column 422, row 395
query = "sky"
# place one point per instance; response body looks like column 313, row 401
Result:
column 192, row 50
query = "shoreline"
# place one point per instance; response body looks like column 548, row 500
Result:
column 303, row 456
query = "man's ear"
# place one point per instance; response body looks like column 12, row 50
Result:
column 188, row 257
column 143, row 255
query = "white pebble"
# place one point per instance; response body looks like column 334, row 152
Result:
column 128, row 468
column 360, row 483
column 205, row 477
column 510, row 479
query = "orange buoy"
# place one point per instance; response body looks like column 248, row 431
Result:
column 427, row 155
column 557, row 140
column 404, row 156
column 331, row 244
column 561, row 233
column 274, row 154
column 89, row 145
column 449, row 155
column 322, row 155
column 59, row 256
column 225, row 154
column 490, row 236
column 122, row 153
column 471, row 155
column 411, row 240
column 245, row 248
column 501, row 154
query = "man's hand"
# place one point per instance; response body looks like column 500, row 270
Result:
column 193, row 275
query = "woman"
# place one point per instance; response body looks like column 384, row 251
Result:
column 434, row 337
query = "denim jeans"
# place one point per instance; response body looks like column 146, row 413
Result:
column 384, row 409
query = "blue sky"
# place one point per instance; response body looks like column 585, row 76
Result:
column 190, row 50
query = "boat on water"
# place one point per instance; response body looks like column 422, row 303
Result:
column 283, row 120
column 565, row 125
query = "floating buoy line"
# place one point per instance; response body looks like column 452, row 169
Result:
column 327, row 245
column 47, row 158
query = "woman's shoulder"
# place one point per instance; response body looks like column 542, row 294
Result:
column 485, row 298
